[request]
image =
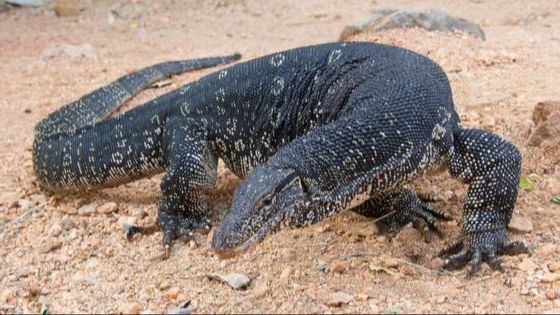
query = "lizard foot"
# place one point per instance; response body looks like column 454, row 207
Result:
column 179, row 227
column 481, row 247
column 416, row 208
column 174, row 227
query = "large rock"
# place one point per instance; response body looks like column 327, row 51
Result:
column 429, row 19
column 546, row 117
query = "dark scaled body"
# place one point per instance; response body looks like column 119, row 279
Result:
column 317, row 129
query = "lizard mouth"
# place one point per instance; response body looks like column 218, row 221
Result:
column 227, row 253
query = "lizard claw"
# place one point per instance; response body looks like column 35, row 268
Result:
column 481, row 247
column 416, row 208
column 179, row 228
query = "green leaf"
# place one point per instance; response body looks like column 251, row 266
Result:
column 525, row 183
column 556, row 200
column 44, row 310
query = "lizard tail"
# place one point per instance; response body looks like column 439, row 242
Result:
column 101, row 103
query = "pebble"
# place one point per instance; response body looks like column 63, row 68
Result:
column 550, row 294
column 361, row 297
column 520, row 224
column 38, row 199
column 338, row 299
column 550, row 277
column 68, row 224
column 66, row 8
column 55, row 230
column 50, row 245
column 107, row 208
column 86, row 210
column 172, row 293
column 389, row 262
column 338, row 268
column 546, row 117
column 234, row 280
column 164, row 285
column 140, row 214
column 322, row 266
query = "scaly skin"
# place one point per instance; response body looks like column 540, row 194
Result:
column 315, row 130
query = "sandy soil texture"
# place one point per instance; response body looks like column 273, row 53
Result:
column 71, row 256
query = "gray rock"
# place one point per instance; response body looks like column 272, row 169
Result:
column 429, row 19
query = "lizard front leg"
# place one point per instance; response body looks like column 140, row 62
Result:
column 491, row 167
column 398, row 207
column 190, row 174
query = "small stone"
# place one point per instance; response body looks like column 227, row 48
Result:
column 543, row 110
column 172, row 293
column 337, row 299
column 66, row 8
column 234, row 280
column 132, row 308
column 260, row 290
column 550, row 277
column 520, row 224
column 322, row 266
column 361, row 297
column 192, row 244
column 107, row 208
column 546, row 131
column 436, row 263
column 164, row 285
column 38, row 199
column 553, row 266
column 126, row 221
column 389, row 262
column 86, row 210
column 338, row 268
column 550, row 294
column 50, row 246
column 139, row 213
column 183, row 309
column 68, row 224
column 55, row 230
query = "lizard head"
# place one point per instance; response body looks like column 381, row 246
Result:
column 269, row 196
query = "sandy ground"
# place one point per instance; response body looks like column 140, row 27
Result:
column 81, row 262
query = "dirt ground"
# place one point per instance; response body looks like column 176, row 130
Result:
column 71, row 260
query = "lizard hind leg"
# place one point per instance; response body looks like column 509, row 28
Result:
column 397, row 208
column 190, row 174
column 491, row 168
